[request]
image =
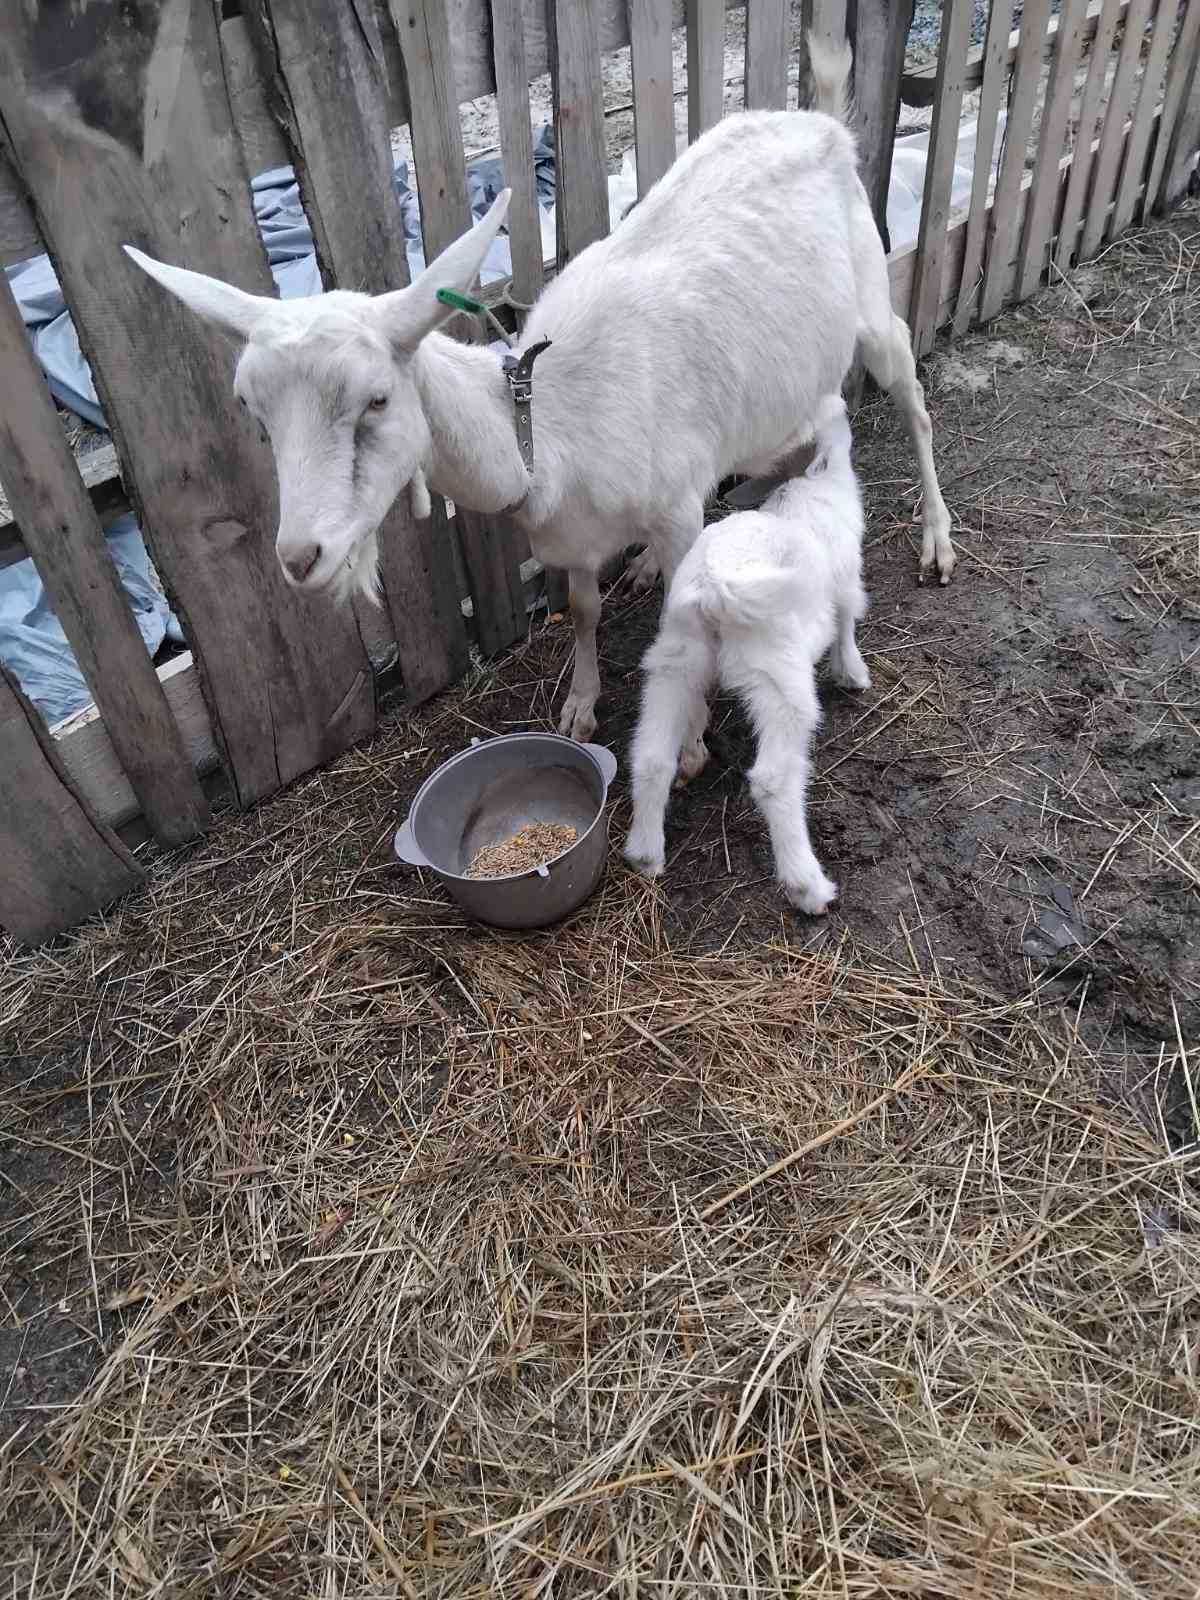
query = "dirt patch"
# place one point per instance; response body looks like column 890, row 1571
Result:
column 305, row 1182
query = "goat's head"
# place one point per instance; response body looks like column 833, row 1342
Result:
column 330, row 381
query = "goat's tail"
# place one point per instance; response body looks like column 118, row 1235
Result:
column 748, row 594
column 831, row 66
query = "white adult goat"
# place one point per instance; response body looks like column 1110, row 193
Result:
column 756, row 603
column 694, row 342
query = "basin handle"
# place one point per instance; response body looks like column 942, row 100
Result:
column 407, row 848
column 605, row 760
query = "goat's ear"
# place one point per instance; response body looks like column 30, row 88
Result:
column 231, row 309
column 409, row 314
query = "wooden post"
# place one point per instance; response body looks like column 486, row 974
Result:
column 1185, row 136
column 939, row 173
column 60, row 864
column 516, row 150
column 1179, row 75
column 766, row 55
column 1005, row 216
column 331, row 101
column 581, row 166
column 1089, row 108
column 1060, row 88
column 1133, row 168
column 63, row 535
column 880, row 32
column 994, row 82
column 121, row 130
column 653, row 90
column 492, row 547
column 705, row 64
column 1112, row 133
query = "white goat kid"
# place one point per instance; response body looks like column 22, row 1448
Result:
column 694, row 342
column 755, row 604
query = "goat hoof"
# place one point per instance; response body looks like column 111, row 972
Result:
column 813, row 898
column 578, row 720
column 856, row 678
column 648, row 862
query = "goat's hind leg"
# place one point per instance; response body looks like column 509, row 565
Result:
column 679, row 669
column 889, row 360
column 785, row 715
column 886, row 347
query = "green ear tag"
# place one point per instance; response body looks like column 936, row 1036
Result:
column 460, row 302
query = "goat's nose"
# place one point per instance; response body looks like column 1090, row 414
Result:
column 299, row 563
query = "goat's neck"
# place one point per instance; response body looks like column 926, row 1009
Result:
column 474, row 459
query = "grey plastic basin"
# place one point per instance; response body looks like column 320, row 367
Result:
column 487, row 794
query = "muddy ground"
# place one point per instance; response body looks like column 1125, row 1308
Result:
column 1015, row 804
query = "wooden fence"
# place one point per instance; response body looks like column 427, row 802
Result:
column 142, row 123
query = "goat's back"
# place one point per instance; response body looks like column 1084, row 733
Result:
column 701, row 332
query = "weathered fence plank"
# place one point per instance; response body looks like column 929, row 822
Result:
column 1085, row 128
column 1004, row 233
column 1138, row 143
column 705, row 64
column 1179, row 74
column 939, row 172
column 122, row 133
column 1060, row 88
column 653, row 90
column 1185, row 139
column 766, row 55
column 332, row 106
column 1112, row 133
column 516, row 150
column 60, row 864
column 991, row 95
column 880, row 30
column 581, row 166
column 492, row 548
column 63, row 534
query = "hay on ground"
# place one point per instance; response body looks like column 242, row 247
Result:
column 468, row 1280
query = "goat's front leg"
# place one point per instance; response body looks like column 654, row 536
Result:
column 578, row 720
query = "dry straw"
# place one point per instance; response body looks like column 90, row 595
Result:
column 431, row 1305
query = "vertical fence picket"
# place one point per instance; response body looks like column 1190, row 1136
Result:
column 766, row 55
column 1089, row 110
column 332, row 104
column 1006, row 204
column 492, row 547
column 1185, row 138
column 880, row 30
column 516, row 149
column 1182, row 65
column 578, row 126
column 1047, row 187
column 653, row 89
column 63, row 535
column 60, row 864
column 1138, row 143
column 1112, row 134
column 705, row 64
column 991, row 96
column 939, row 172
column 154, row 161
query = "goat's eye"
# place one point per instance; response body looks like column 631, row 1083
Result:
column 378, row 401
